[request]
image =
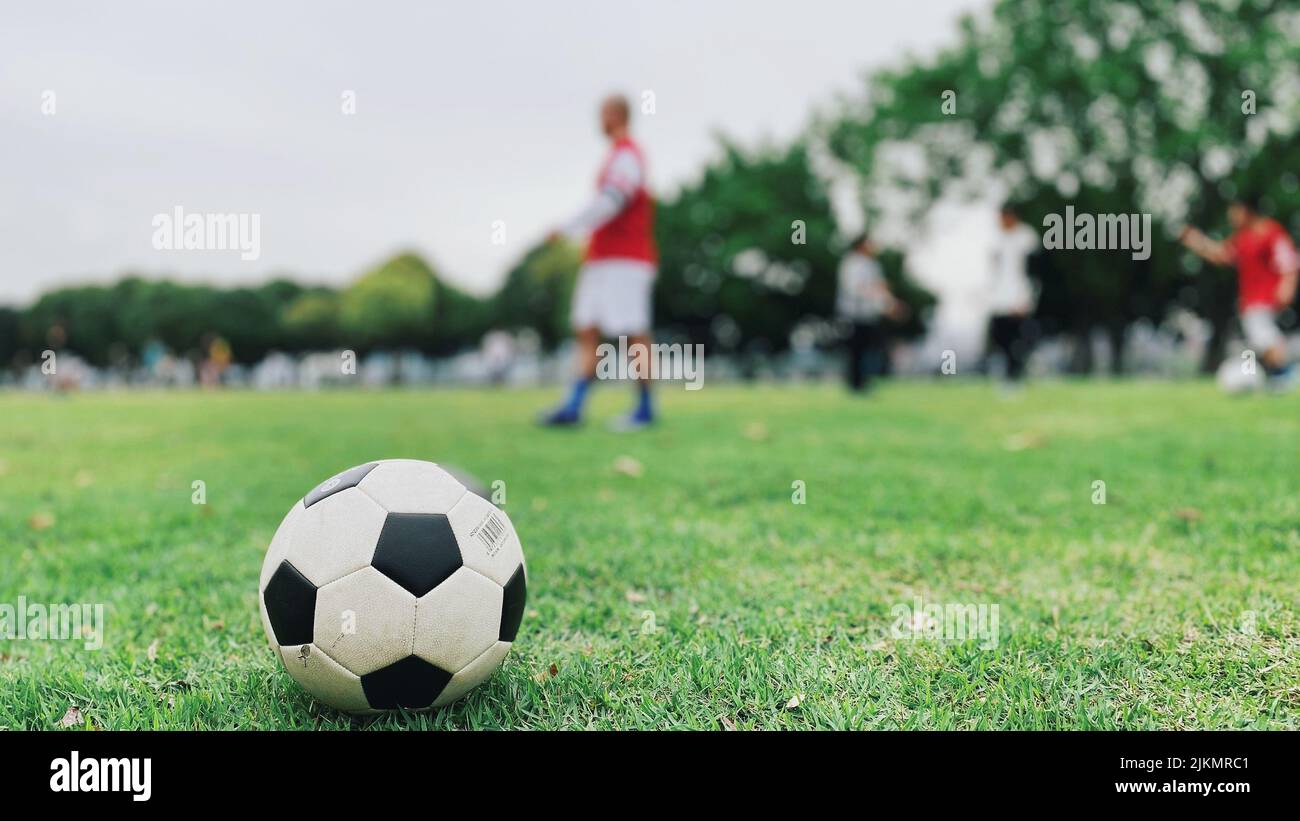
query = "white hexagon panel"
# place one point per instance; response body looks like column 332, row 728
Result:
column 473, row 674
column 335, row 536
column 365, row 621
column 324, row 677
column 457, row 620
column 279, row 544
column 411, row 486
column 487, row 540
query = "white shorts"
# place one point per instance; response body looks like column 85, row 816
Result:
column 1259, row 324
column 614, row 296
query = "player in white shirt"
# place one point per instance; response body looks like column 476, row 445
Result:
column 863, row 301
column 1011, row 293
column 612, row 296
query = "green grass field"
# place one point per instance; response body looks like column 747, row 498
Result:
column 696, row 594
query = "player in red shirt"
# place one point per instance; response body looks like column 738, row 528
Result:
column 613, row 293
column 1266, row 262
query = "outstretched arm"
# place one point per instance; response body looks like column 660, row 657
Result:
column 622, row 181
column 606, row 205
column 1210, row 250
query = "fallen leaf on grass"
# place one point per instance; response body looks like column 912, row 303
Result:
column 1024, row 441
column 727, row 724
column 793, row 703
column 628, row 466
column 921, row 622
column 152, row 652
column 634, row 596
column 72, row 718
column 1188, row 514
column 1148, row 533
column 40, row 520
column 548, row 673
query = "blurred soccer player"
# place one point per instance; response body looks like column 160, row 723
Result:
column 1011, row 295
column 613, row 291
column 863, row 300
column 1266, row 262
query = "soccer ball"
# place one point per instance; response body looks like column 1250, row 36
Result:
column 390, row 585
column 1233, row 378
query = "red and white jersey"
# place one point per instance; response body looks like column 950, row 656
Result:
column 620, row 221
column 1263, row 253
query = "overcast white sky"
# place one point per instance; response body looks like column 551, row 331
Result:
column 466, row 114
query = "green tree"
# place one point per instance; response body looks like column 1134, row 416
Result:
column 747, row 251
column 9, row 336
column 249, row 319
column 460, row 320
column 177, row 315
column 81, row 319
column 537, row 291
column 311, row 321
column 391, row 306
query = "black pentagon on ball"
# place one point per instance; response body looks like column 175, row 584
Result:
column 290, row 605
column 512, row 605
column 417, row 550
column 412, row 683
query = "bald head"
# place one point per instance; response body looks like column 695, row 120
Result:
column 615, row 112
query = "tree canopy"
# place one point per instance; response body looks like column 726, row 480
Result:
column 1166, row 107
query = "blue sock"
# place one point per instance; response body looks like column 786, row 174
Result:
column 644, row 411
column 577, row 395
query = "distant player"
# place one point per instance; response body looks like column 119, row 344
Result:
column 863, row 301
column 1011, row 293
column 217, row 357
column 613, row 292
column 1266, row 262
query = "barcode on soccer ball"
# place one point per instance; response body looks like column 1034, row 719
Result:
column 491, row 532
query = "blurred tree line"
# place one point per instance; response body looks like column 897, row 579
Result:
column 749, row 252
column 400, row 304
